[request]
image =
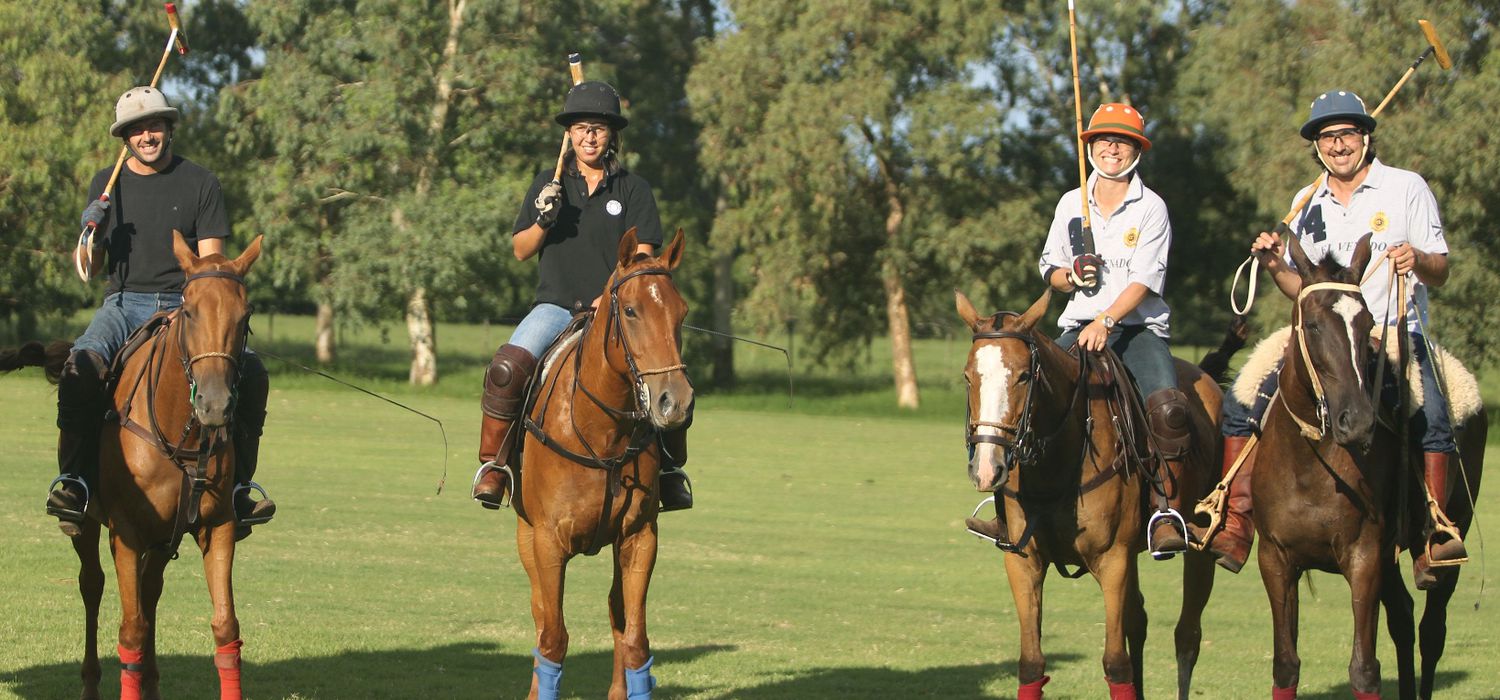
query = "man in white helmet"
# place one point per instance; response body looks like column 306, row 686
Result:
column 157, row 192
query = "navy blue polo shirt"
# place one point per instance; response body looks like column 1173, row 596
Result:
column 581, row 249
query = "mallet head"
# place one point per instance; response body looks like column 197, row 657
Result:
column 1443, row 59
column 181, row 39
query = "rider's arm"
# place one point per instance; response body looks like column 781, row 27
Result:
column 526, row 242
column 209, row 246
column 1134, row 294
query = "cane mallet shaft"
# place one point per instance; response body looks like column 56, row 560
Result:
column 575, row 68
column 1083, row 194
column 83, row 253
column 1434, row 48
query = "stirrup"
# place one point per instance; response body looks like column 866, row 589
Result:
column 975, row 514
column 687, row 482
column 1170, row 515
column 505, row 494
column 1442, row 525
column 245, row 488
column 72, row 516
column 1000, row 544
column 1213, row 505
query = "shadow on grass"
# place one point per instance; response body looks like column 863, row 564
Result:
column 467, row 670
column 879, row 682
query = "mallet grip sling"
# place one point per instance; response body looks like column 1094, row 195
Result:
column 575, row 69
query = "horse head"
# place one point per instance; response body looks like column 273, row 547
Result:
column 643, row 338
column 212, row 326
column 1332, row 326
column 1001, row 374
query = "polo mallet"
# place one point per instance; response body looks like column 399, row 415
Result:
column 575, row 67
column 83, row 254
column 1083, row 180
column 1284, row 229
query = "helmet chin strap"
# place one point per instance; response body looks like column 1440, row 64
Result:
column 1124, row 174
column 1364, row 148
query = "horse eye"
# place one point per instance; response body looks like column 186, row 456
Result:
column 1313, row 328
column 630, row 312
column 1024, row 377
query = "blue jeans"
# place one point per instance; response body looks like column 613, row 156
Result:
column 1430, row 426
column 541, row 326
column 119, row 316
column 1143, row 352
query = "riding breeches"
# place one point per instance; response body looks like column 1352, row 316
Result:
column 540, row 328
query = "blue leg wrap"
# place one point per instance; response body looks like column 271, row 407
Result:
column 639, row 682
column 548, row 676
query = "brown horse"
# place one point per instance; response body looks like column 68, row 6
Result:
column 166, row 470
column 589, row 475
column 1046, row 443
column 1327, row 482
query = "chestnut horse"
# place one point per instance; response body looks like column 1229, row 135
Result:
column 166, row 469
column 1046, row 443
column 590, row 463
column 1327, row 480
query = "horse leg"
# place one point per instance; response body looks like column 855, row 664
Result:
column 1026, row 577
column 1124, row 619
column 1197, row 586
column 635, row 558
column 138, row 672
column 91, row 588
column 152, row 570
column 217, row 545
column 1280, row 581
column 545, row 565
column 1363, row 574
column 1400, row 624
column 1434, row 629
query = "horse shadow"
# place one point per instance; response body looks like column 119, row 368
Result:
column 1388, row 685
column 881, row 682
column 463, row 670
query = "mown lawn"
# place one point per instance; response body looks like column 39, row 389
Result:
column 826, row 559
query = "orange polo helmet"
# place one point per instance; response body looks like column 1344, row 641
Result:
column 1117, row 118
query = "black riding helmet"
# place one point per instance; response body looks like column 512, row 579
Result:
column 592, row 99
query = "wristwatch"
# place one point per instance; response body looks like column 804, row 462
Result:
column 1107, row 320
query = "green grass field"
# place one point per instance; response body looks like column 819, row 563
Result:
column 826, row 559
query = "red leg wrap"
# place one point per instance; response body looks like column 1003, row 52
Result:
column 227, row 660
column 1284, row 693
column 1121, row 691
column 1032, row 690
column 1366, row 696
column 130, row 681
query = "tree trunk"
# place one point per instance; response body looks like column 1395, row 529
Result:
column 323, row 343
column 904, row 368
column 423, row 340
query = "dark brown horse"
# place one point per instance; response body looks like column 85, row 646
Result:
column 166, row 470
column 1327, row 483
column 1046, row 443
column 589, row 475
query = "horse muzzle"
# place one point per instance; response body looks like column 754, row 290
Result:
column 213, row 404
column 668, row 400
column 985, row 468
column 1354, row 427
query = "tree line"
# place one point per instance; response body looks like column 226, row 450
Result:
column 838, row 165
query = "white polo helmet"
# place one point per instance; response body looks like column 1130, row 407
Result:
column 141, row 103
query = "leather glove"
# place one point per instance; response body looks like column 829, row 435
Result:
column 1085, row 272
column 548, row 204
column 93, row 214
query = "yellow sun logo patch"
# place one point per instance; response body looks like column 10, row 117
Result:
column 1131, row 237
column 1379, row 223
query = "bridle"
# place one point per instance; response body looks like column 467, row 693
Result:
column 1315, row 431
column 637, row 375
column 234, row 358
column 1025, row 448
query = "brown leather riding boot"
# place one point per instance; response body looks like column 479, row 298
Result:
column 1446, row 548
column 1170, row 425
column 504, row 393
column 991, row 529
column 1232, row 544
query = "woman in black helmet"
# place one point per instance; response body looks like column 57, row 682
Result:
column 574, row 226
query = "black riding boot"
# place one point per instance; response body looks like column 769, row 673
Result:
column 675, row 486
column 252, row 391
column 80, row 417
column 1169, row 422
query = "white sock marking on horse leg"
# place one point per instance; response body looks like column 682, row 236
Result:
column 1348, row 308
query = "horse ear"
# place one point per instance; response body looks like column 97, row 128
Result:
column 246, row 259
column 1037, row 310
column 966, row 310
column 628, row 245
column 1361, row 259
column 1299, row 257
column 673, row 254
column 187, row 258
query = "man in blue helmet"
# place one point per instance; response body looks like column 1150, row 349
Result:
column 574, row 226
column 1359, row 196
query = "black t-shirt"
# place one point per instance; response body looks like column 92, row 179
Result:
column 581, row 249
column 143, row 211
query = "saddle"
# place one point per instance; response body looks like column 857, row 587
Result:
column 158, row 323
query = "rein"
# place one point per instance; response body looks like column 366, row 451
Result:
column 1318, row 430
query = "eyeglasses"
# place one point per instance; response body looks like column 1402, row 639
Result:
column 581, row 130
column 1346, row 135
column 1116, row 140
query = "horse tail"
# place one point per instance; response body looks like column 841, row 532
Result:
column 49, row 357
column 1216, row 364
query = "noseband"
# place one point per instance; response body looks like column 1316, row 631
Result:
column 1315, row 431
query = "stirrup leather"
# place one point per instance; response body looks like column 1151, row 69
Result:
column 1171, row 515
column 505, row 494
column 245, row 488
column 63, row 513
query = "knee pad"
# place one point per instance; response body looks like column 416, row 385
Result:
column 1167, row 417
column 505, row 381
